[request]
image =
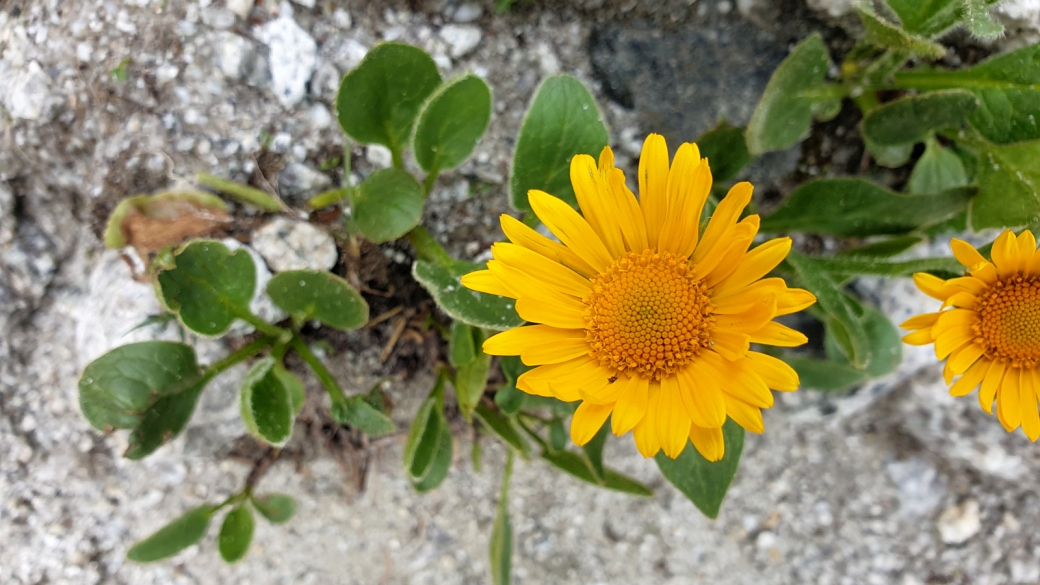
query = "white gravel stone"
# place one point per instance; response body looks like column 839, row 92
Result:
column 27, row 92
column 240, row 8
column 305, row 3
column 461, row 39
column 342, row 18
column 293, row 58
column 1023, row 12
column 295, row 245
column 379, row 155
column 468, row 12
column 300, row 180
column 235, row 56
column 959, row 523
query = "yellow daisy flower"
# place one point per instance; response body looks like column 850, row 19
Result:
column 988, row 329
column 638, row 313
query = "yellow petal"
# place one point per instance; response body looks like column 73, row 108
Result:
column 739, row 379
column 951, row 340
column 793, row 300
column 742, row 299
column 1026, row 244
column 963, row 300
column 738, row 248
column 753, row 319
column 957, row 318
column 776, row 373
column 732, row 344
column 653, row 185
column 645, row 432
column 555, row 352
column 549, row 313
column 606, row 159
column 971, row 379
column 779, row 335
column 724, row 218
column 485, row 282
column 631, row 405
column 963, row 358
column 1027, row 388
column 966, row 254
column 689, row 183
column 602, row 391
column 993, row 380
column 595, row 202
column 756, row 264
column 698, row 385
column 542, row 268
column 1005, row 254
column 515, row 341
column 1009, row 400
column 587, row 421
column 520, row 234
column 571, row 228
column 736, row 239
column 920, row 321
column 965, row 283
column 921, row 337
column 630, row 216
column 745, row 415
column 562, row 380
column 709, row 442
column 673, row 423
column 986, row 273
column 930, row 285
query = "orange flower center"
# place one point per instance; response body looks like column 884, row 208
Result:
column 1010, row 320
column 647, row 314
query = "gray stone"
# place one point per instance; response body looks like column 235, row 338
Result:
column 299, row 181
column 467, row 12
column 295, row 245
column 959, row 523
column 236, row 56
column 461, row 39
column 218, row 18
column 293, row 56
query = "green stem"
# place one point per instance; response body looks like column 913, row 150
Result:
column 235, row 357
column 327, row 198
column 429, row 182
column 395, row 153
column 828, row 91
column 537, row 438
column 326, row 378
column 947, row 79
column 254, row 197
column 507, row 475
column 428, row 248
column 261, row 325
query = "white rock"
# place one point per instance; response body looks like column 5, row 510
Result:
column 27, row 92
column 240, row 8
column 304, row 3
column 281, row 142
column 547, row 61
column 218, row 18
column 379, row 155
column 833, row 8
column 294, row 56
column 467, row 12
column 298, row 180
column 461, row 39
column 959, row 523
column 295, row 245
column 920, row 488
column 1023, row 12
column 84, row 52
column 319, row 116
column 235, row 55
column 166, row 73
column 350, row 53
column 342, row 18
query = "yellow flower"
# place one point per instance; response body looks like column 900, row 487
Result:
column 641, row 315
column 988, row 328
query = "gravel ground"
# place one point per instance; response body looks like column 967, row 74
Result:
column 892, row 483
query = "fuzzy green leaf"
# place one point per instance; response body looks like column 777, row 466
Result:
column 1009, row 186
column 164, row 420
column 387, row 205
column 703, row 482
column 890, row 36
column 911, row 119
column 174, row 537
column 579, row 467
column 563, row 121
column 209, row 286
column 725, row 149
column 236, row 533
column 319, row 295
column 452, row 123
column 358, row 413
column 937, row 170
column 502, row 426
column 266, row 404
column 471, row 307
column 277, row 508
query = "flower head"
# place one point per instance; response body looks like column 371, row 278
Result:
column 639, row 314
column 988, row 328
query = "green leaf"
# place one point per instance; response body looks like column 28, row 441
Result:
column 891, row 157
column 428, row 449
column 387, row 205
column 1008, row 88
column 577, row 466
column 725, row 149
column 438, row 469
column 361, row 415
column 461, row 347
column 277, row 508
column 164, row 420
column 827, row 375
column 236, row 533
column 937, row 170
column 926, row 17
column 884, row 248
column 174, row 537
column 886, row 344
column 979, row 21
column 471, row 380
column 452, row 123
column 319, row 295
column 508, row 397
column 116, row 389
column 842, row 268
column 911, row 119
column 890, row 36
column 563, row 121
column 200, row 207
column 1009, row 186
column 703, row 482
column 471, row 307
column 266, row 404
column 297, row 393
column 502, row 426
column 594, row 449
column 500, row 552
column 209, row 286
column 379, row 99
column 856, row 207
column 557, row 435
column 243, row 193
column 785, row 111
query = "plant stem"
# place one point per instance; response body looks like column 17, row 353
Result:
column 428, row 248
column 235, row 357
column 261, row 325
column 327, row 380
column 429, row 182
column 395, row 153
column 327, row 198
column 254, row 197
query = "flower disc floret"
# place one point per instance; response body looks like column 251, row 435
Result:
column 648, row 315
column 1009, row 320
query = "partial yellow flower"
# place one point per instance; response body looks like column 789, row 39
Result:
column 640, row 315
column 988, row 328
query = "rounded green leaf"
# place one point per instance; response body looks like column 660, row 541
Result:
column 785, row 111
column 705, row 483
column 236, row 533
column 725, row 149
column 428, row 449
column 319, row 295
column 297, row 393
column 361, row 415
column 266, row 404
column 910, row 119
column 116, row 389
column 387, row 205
column 890, row 36
column 277, row 508
column 471, row 307
column 174, row 537
column 162, row 206
column 1009, row 186
column 452, row 123
column 563, row 121
column 164, row 420
column 209, row 286
column 462, row 348
column 439, row 466
column 379, row 99
column 937, row 170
